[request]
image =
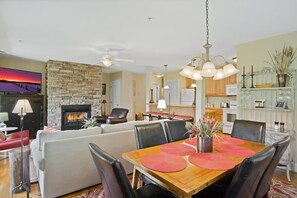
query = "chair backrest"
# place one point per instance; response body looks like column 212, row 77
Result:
column 249, row 130
column 175, row 130
column 112, row 174
column 148, row 135
column 119, row 112
column 264, row 185
column 249, row 174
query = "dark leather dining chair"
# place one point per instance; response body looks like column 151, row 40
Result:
column 117, row 115
column 249, row 130
column 264, row 185
column 246, row 179
column 115, row 181
column 175, row 130
column 148, row 135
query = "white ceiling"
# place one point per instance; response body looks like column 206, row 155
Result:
column 80, row 30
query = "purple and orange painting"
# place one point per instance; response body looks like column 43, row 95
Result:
column 12, row 80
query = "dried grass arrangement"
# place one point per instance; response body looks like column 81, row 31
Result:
column 281, row 60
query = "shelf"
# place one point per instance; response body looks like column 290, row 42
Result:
column 266, row 109
column 261, row 89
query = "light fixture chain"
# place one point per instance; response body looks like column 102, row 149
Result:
column 207, row 24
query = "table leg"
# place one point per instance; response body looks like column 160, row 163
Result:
column 135, row 178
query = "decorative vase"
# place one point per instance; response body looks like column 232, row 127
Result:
column 204, row 144
column 281, row 79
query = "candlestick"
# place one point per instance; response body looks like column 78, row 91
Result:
column 252, row 70
column 243, row 81
column 243, row 72
column 252, row 78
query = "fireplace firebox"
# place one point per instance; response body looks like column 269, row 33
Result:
column 74, row 115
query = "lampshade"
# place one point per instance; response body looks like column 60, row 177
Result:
column 196, row 75
column 208, row 69
column 193, row 85
column 229, row 70
column 3, row 116
column 219, row 75
column 187, row 71
column 104, row 101
column 161, row 104
column 22, row 107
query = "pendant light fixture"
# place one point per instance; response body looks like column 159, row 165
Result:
column 208, row 66
column 162, row 103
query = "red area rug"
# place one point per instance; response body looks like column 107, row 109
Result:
column 278, row 189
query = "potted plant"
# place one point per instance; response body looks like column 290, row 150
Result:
column 89, row 122
column 281, row 61
column 204, row 130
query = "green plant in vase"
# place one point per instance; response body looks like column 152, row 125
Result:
column 281, row 61
column 89, row 122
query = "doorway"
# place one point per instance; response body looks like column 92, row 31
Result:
column 115, row 94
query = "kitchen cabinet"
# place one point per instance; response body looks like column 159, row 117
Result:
column 216, row 113
column 218, row 87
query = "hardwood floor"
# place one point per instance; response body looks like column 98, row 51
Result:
column 280, row 174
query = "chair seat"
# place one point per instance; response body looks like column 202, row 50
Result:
column 152, row 191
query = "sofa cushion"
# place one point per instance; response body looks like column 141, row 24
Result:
column 109, row 128
column 38, row 161
column 43, row 136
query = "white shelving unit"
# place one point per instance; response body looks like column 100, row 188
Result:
column 270, row 113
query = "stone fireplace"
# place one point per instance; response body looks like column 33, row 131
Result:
column 74, row 115
column 72, row 84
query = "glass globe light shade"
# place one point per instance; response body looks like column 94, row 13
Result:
column 219, row 75
column 196, row 75
column 208, row 69
column 107, row 62
column 229, row 70
column 187, row 71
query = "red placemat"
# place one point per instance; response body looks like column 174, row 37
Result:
column 177, row 149
column 235, row 150
column 227, row 140
column 211, row 161
column 192, row 141
column 164, row 162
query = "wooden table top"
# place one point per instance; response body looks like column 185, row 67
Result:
column 192, row 179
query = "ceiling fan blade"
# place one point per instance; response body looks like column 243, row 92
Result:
column 124, row 60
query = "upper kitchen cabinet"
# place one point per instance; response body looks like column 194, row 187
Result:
column 218, row 87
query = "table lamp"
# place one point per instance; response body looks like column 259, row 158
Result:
column 22, row 107
column 161, row 104
column 3, row 117
column 103, row 102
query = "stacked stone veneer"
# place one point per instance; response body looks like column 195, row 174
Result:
column 70, row 84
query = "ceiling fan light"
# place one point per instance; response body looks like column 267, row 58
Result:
column 187, row 71
column 196, row 75
column 219, row 75
column 107, row 62
column 208, row 69
column 229, row 70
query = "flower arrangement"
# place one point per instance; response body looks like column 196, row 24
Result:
column 281, row 60
column 205, row 127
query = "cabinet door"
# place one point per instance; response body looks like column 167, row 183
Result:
column 232, row 79
column 209, row 87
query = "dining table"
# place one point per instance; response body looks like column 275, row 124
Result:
column 183, row 171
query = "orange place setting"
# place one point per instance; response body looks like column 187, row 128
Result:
column 211, row 161
column 177, row 149
column 235, row 150
column 164, row 163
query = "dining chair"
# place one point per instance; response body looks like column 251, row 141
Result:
column 264, row 185
column 115, row 181
column 249, row 130
column 148, row 135
column 246, row 179
column 175, row 130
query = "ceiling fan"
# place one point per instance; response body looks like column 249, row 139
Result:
column 108, row 60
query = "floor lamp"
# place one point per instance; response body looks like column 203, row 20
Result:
column 22, row 107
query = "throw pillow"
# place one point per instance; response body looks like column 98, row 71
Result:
column 2, row 137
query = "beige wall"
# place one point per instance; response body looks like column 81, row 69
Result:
column 132, row 91
column 256, row 53
column 27, row 65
